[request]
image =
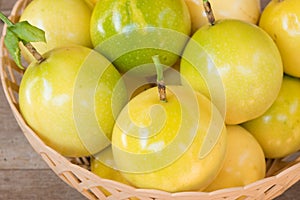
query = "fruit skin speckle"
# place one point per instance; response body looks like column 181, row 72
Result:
column 153, row 140
column 244, row 161
column 136, row 20
column 278, row 129
column 65, row 27
column 246, row 60
column 70, row 100
column 281, row 20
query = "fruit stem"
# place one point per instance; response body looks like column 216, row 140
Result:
column 160, row 79
column 34, row 52
column 28, row 45
column 209, row 12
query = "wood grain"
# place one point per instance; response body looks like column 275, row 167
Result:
column 6, row 6
column 34, row 184
column 15, row 151
column 24, row 175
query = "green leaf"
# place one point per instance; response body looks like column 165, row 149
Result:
column 11, row 42
column 21, row 32
column 28, row 33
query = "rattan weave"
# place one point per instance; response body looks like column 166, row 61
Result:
column 280, row 175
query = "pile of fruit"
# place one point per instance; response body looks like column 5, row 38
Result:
column 175, row 95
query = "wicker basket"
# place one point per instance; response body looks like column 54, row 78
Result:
column 281, row 173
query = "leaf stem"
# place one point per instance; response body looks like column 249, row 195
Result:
column 209, row 12
column 5, row 19
column 160, row 79
column 12, row 42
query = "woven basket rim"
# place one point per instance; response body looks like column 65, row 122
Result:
column 87, row 182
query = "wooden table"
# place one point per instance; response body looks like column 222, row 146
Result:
column 23, row 173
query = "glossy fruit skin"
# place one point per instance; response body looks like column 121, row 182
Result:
column 134, row 21
column 280, row 19
column 68, row 103
column 278, row 129
column 134, row 152
column 244, row 57
column 246, row 10
column 244, row 161
column 65, row 22
column 103, row 165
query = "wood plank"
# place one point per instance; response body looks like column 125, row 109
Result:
column 15, row 150
column 35, row 184
column 24, row 175
column 7, row 4
column 292, row 193
column 263, row 3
